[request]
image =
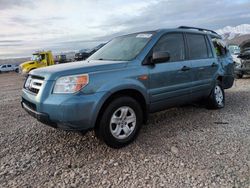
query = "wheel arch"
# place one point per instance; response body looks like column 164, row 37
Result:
column 133, row 93
column 220, row 78
column 226, row 81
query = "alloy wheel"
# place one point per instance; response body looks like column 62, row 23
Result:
column 219, row 95
column 123, row 122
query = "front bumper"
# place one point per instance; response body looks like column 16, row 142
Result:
column 68, row 112
column 23, row 73
column 42, row 117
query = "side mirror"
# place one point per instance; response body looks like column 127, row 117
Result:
column 160, row 57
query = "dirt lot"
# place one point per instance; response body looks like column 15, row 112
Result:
column 182, row 147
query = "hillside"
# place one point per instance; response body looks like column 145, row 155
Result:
column 239, row 39
column 15, row 61
column 230, row 33
column 235, row 35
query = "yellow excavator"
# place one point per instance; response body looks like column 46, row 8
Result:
column 38, row 59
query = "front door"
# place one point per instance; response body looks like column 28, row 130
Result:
column 4, row 68
column 171, row 81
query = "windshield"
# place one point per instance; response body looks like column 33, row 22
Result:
column 36, row 57
column 123, row 48
column 235, row 50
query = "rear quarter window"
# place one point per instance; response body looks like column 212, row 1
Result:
column 220, row 47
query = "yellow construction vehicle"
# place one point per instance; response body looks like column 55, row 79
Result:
column 38, row 59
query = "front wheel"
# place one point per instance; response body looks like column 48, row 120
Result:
column 120, row 122
column 216, row 100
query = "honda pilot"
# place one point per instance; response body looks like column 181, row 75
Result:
column 115, row 89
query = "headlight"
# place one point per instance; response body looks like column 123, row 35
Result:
column 71, row 84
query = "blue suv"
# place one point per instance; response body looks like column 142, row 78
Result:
column 115, row 89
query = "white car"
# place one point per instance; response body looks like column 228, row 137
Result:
column 235, row 52
column 8, row 68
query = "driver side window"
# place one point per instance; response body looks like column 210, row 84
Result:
column 172, row 43
column 42, row 56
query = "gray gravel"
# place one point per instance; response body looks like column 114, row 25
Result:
column 181, row 147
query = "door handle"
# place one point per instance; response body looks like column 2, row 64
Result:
column 214, row 65
column 185, row 68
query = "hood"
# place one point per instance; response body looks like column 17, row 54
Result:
column 27, row 63
column 81, row 67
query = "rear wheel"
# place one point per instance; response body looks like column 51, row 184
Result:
column 120, row 123
column 216, row 100
column 239, row 75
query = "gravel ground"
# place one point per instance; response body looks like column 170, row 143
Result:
column 181, row 147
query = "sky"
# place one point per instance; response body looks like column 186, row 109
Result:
column 67, row 25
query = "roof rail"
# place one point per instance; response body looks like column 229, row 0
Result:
column 197, row 28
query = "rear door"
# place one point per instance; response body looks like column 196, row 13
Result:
column 171, row 81
column 204, row 64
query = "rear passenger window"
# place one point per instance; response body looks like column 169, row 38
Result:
column 210, row 52
column 197, row 46
column 172, row 43
column 9, row 65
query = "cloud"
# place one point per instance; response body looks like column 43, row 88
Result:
column 10, row 41
column 8, row 4
column 51, row 24
column 10, row 45
column 173, row 13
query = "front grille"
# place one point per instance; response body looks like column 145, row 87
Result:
column 29, row 104
column 34, row 84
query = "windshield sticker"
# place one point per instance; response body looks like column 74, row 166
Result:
column 144, row 35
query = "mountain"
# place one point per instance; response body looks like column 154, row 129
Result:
column 15, row 61
column 239, row 39
column 233, row 33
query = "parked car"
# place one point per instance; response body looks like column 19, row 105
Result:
column 84, row 54
column 62, row 58
column 130, row 77
column 8, row 68
column 244, row 67
column 235, row 52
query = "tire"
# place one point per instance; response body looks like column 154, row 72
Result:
column 120, row 122
column 239, row 76
column 216, row 100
